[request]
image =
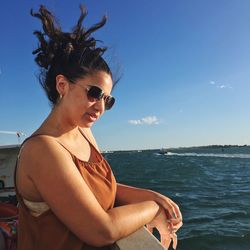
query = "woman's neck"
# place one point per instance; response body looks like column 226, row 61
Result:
column 57, row 124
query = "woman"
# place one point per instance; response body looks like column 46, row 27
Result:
column 65, row 188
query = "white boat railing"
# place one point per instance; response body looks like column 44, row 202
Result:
column 17, row 133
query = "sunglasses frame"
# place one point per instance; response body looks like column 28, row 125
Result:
column 108, row 99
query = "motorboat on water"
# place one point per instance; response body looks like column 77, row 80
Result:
column 163, row 151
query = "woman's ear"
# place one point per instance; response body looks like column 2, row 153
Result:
column 61, row 85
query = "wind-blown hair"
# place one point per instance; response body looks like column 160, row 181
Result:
column 73, row 54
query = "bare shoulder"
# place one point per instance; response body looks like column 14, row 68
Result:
column 38, row 142
column 42, row 151
column 53, row 172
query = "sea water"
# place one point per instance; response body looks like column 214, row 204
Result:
column 211, row 185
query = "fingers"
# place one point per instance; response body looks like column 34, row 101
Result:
column 170, row 208
column 150, row 229
column 165, row 240
column 176, row 227
column 167, row 233
column 174, row 221
column 174, row 237
column 176, row 218
column 177, row 210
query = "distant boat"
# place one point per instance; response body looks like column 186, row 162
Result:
column 163, row 151
column 107, row 152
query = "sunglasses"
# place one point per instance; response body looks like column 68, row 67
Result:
column 95, row 93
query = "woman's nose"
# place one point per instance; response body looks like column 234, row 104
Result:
column 100, row 105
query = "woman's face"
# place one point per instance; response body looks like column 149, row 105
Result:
column 81, row 110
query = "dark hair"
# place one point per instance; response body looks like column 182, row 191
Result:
column 73, row 54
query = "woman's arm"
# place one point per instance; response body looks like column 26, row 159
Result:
column 55, row 176
column 129, row 195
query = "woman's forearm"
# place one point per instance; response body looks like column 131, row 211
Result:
column 125, row 220
column 129, row 195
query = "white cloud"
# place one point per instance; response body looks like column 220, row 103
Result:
column 135, row 122
column 220, row 86
column 148, row 120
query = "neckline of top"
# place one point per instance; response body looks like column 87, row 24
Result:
column 92, row 147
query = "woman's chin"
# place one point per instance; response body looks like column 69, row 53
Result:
column 88, row 121
column 86, row 124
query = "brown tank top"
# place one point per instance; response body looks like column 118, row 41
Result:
column 46, row 231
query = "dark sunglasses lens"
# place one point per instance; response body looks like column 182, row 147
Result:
column 109, row 102
column 95, row 93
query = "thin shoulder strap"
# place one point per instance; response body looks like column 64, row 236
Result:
column 18, row 156
column 72, row 155
column 89, row 141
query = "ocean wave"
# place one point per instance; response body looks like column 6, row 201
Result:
column 233, row 215
column 226, row 216
column 244, row 156
column 200, row 219
column 215, row 242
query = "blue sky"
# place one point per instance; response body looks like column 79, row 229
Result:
column 185, row 67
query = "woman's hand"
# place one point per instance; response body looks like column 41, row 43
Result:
column 168, row 220
column 165, row 229
column 172, row 210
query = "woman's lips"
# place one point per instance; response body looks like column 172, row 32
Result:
column 92, row 117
